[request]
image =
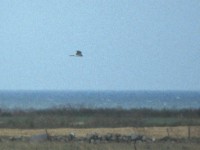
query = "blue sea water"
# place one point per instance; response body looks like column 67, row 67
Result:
column 99, row 99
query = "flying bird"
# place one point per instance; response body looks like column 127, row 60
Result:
column 78, row 54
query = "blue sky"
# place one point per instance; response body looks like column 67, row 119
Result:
column 127, row 45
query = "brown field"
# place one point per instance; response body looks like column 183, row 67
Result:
column 156, row 132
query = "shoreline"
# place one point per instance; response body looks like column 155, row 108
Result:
column 99, row 99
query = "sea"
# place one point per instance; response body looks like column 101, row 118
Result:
column 99, row 99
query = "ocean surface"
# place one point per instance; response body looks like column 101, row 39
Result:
column 99, row 99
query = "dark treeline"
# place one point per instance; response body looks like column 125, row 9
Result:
column 100, row 117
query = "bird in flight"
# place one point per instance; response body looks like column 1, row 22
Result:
column 78, row 54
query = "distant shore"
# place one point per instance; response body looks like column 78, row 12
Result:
column 67, row 117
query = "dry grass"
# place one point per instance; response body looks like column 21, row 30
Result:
column 157, row 132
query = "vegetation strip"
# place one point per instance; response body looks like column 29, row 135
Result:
column 96, row 118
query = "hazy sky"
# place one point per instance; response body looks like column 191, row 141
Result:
column 127, row 44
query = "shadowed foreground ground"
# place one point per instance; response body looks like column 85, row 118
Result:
column 105, row 146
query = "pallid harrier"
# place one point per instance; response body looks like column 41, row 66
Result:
column 78, row 54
